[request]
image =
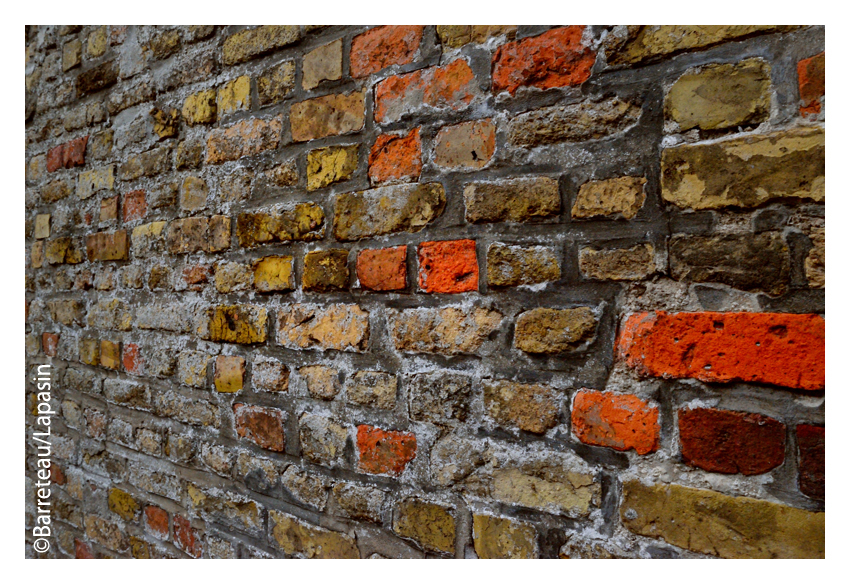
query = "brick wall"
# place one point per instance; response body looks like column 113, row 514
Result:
column 411, row 291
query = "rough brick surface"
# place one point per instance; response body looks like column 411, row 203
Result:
column 731, row 442
column 779, row 349
column 383, row 46
column 448, row 267
column 621, row 422
column 384, row 451
column 556, row 58
column 811, row 446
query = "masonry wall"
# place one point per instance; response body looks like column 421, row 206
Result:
column 453, row 291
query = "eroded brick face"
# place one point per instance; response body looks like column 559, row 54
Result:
column 426, row 291
column 448, row 267
column 384, row 451
column 556, row 58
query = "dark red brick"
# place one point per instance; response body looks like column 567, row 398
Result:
column 186, row 538
column 731, row 442
column 811, row 446
column 396, row 158
column 263, row 426
column 135, row 206
column 156, row 520
column 67, row 155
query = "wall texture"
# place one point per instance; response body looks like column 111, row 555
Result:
column 413, row 291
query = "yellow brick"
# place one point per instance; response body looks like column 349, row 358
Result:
column 97, row 42
column 110, row 354
column 273, row 273
column 200, row 108
column 234, row 95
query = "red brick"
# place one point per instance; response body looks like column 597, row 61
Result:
column 49, row 343
column 67, row 155
column 450, row 87
column 448, row 267
column 186, row 538
column 263, row 426
column 82, row 550
column 620, row 422
column 195, row 276
column 811, row 74
column 383, row 269
column 731, row 442
column 384, row 451
column 135, row 206
column 395, row 158
column 382, row 47
column 556, row 58
column 57, row 475
column 778, row 349
column 811, row 446
column 156, row 520
column 132, row 359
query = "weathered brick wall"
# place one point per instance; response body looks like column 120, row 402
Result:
column 413, row 291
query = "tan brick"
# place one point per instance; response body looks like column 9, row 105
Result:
column 296, row 537
column 720, row 96
column 341, row 327
column 248, row 44
column 108, row 246
column 552, row 330
column 276, row 83
column 451, row 330
column 322, row 64
column 274, row 274
column 515, row 200
column 501, row 538
column 730, row 527
column 304, row 222
column 329, row 115
column 200, row 107
column 92, row 181
column 634, row 263
column 387, row 210
column 42, row 226
column 608, row 198
column 529, row 407
column 745, row 171
column 229, row 373
column 245, row 138
column 516, row 265
column 375, row 389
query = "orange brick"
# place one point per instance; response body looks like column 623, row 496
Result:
column 383, row 269
column 383, row 46
column 135, row 206
column 396, row 158
column 556, row 58
column 620, row 422
column 811, row 74
column 384, row 451
column 448, row 267
column 780, row 349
